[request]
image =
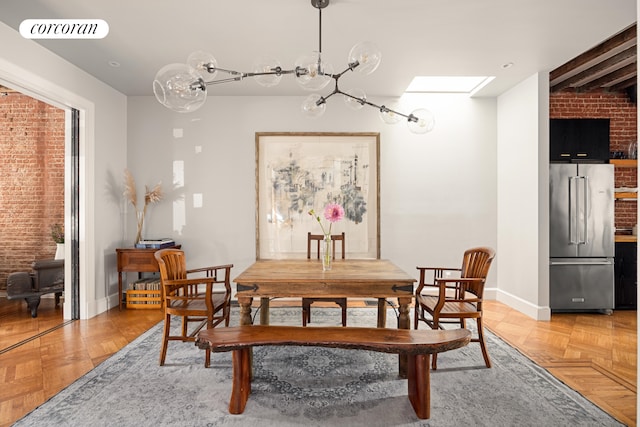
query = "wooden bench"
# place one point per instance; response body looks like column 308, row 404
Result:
column 417, row 345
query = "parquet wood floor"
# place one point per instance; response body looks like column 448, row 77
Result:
column 593, row 353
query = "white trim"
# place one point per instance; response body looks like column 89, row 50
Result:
column 534, row 311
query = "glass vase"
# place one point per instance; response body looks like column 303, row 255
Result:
column 326, row 253
column 140, row 226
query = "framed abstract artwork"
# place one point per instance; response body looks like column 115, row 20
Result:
column 297, row 172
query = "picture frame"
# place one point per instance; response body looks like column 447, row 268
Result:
column 297, row 172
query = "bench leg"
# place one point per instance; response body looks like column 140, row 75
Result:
column 241, row 380
column 418, row 384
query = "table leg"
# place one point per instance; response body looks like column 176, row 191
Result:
column 245, row 319
column 264, row 311
column 404, row 322
column 245, row 310
column 119, row 290
column 382, row 312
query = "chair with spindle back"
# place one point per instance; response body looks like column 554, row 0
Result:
column 184, row 296
column 454, row 299
column 306, row 302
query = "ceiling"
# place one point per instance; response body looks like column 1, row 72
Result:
column 416, row 37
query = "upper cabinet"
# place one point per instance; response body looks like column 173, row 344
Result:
column 575, row 140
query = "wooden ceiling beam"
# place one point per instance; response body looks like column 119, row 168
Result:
column 618, row 87
column 623, row 37
column 611, row 62
column 624, row 72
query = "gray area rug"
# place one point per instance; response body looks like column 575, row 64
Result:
column 314, row 386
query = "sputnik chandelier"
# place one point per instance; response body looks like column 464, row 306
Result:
column 183, row 87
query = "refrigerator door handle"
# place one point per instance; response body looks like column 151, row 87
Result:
column 603, row 262
column 585, row 213
column 573, row 211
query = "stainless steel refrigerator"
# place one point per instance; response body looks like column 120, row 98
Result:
column 581, row 240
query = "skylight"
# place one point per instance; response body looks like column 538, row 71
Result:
column 448, row 84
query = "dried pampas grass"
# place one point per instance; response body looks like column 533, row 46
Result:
column 130, row 189
column 150, row 196
column 153, row 196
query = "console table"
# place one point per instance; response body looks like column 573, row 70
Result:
column 131, row 260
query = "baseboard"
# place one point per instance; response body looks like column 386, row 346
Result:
column 534, row 311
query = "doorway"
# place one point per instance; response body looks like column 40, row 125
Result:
column 43, row 142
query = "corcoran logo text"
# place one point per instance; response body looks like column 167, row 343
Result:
column 64, row 29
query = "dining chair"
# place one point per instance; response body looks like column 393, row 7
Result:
column 199, row 296
column 306, row 302
column 452, row 295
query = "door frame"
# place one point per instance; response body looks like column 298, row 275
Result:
column 78, row 178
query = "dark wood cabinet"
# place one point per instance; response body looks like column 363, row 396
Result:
column 626, row 275
column 575, row 140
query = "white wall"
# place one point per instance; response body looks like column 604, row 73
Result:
column 437, row 196
column 523, row 224
column 438, row 191
column 28, row 67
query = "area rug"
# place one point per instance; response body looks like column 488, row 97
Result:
column 313, row 386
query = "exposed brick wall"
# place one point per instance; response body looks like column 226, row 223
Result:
column 622, row 114
column 31, row 180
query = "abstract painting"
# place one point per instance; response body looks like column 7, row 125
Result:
column 297, row 172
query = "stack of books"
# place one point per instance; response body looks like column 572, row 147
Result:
column 146, row 284
column 155, row 243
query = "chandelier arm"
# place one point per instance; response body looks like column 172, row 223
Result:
column 212, row 70
column 350, row 67
column 323, row 99
column 269, row 73
column 382, row 108
column 277, row 70
column 240, row 75
column 230, row 79
column 359, row 100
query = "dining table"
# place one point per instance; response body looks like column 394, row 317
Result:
column 348, row 278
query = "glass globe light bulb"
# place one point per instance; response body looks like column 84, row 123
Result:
column 180, row 88
column 352, row 103
column 315, row 74
column 265, row 65
column 390, row 117
column 310, row 107
column 426, row 121
column 367, row 55
column 202, row 62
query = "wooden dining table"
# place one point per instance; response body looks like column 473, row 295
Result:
column 348, row 278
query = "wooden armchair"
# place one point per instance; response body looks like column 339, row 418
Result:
column 201, row 296
column 452, row 295
column 306, row 302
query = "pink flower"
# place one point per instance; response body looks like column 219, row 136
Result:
column 333, row 212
